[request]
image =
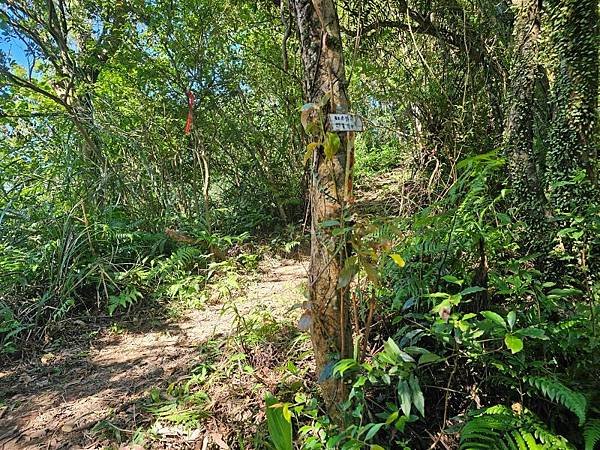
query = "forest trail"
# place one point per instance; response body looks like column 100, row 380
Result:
column 56, row 400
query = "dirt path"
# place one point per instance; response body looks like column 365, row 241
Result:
column 54, row 401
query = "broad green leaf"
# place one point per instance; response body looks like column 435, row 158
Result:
column 472, row 290
column 452, row 279
column 285, row 410
column 569, row 292
column 532, row 332
column 280, row 427
column 429, row 357
column 438, row 295
column 391, row 349
column 514, row 344
column 344, row 365
column 417, row 396
column 373, row 430
column 329, row 223
column 405, row 397
column 331, row 145
column 393, row 416
column 494, row 317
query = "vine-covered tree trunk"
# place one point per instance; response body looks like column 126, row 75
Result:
column 529, row 200
column 572, row 158
column 572, row 153
column 324, row 77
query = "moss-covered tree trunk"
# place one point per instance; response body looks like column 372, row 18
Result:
column 529, row 201
column 321, row 49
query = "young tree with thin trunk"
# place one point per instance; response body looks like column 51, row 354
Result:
column 329, row 191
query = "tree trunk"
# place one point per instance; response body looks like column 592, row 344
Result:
column 329, row 191
column 572, row 158
column 529, row 200
column 572, row 149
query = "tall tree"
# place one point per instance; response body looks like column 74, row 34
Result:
column 575, row 31
column 529, row 199
column 572, row 158
column 330, row 189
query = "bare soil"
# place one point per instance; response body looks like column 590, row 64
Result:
column 54, row 399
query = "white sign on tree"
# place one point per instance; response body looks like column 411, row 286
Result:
column 345, row 122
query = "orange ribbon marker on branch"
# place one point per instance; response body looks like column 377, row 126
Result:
column 190, row 117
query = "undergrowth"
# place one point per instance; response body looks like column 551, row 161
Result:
column 460, row 339
column 109, row 267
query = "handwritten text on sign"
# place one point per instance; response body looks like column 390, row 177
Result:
column 345, row 122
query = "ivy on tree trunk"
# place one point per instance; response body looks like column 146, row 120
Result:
column 529, row 201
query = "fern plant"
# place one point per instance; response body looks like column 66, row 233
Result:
column 591, row 434
column 561, row 394
column 502, row 428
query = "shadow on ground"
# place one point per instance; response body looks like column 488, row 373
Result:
column 56, row 400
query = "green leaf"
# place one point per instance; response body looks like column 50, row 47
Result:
column 565, row 292
column 347, row 273
column 373, row 430
column 472, row 290
column 331, row 145
column 417, row 396
column 344, row 365
column 405, row 397
column 285, row 410
column 452, row 279
column 514, row 343
column 280, row 427
column 438, row 295
column 398, row 260
column 511, row 318
column 494, row 317
column 392, row 417
column 429, row 357
column 391, row 349
column 532, row 332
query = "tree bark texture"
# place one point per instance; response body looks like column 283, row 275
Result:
column 329, row 191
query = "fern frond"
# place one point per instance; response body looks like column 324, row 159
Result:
column 591, row 434
column 561, row 394
column 499, row 428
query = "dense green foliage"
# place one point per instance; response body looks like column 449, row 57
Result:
column 475, row 314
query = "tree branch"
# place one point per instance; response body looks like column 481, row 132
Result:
column 22, row 82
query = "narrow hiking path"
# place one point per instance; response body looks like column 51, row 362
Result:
column 54, row 401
